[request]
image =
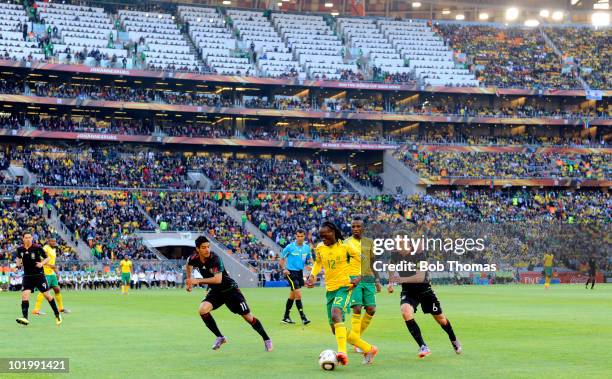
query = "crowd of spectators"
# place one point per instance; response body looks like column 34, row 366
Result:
column 202, row 212
column 105, row 222
column 435, row 165
column 435, row 106
column 22, row 212
column 365, row 177
column 104, row 167
column 509, row 57
column 257, row 174
column 588, row 50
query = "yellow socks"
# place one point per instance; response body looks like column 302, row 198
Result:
column 340, row 336
column 355, row 340
column 58, row 300
column 356, row 324
column 39, row 300
column 365, row 322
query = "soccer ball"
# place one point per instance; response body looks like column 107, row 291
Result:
column 328, row 360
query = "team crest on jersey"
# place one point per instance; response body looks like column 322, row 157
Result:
column 33, row 256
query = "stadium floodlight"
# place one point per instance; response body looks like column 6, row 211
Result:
column 600, row 19
column 445, row 11
column 557, row 15
column 601, row 6
column 532, row 23
column 226, row 2
column 286, row 1
column 279, row 4
column 483, row 16
column 335, row 14
column 416, row 4
column 460, row 17
column 512, row 13
column 329, row 5
column 545, row 13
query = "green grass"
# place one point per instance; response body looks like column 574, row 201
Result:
column 506, row 331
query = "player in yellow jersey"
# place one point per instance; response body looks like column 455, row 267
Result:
column 548, row 269
column 333, row 256
column 126, row 274
column 364, row 294
column 51, row 275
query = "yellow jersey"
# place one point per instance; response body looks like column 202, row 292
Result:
column 126, row 266
column 51, row 254
column 354, row 263
column 362, row 265
column 548, row 260
column 334, row 260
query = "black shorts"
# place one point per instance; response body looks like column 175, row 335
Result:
column 420, row 293
column 30, row 282
column 295, row 279
column 233, row 299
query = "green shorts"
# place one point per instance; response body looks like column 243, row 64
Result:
column 339, row 298
column 548, row 271
column 364, row 294
column 125, row 277
column 52, row 280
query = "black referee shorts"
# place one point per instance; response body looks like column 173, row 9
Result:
column 295, row 279
column 30, row 282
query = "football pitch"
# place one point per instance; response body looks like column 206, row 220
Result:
column 513, row 331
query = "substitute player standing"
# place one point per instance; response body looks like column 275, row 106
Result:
column 548, row 269
column 332, row 255
column 416, row 289
column 293, row 258
column 364, row 294
column 32, row 258
column 221, row 290
column 592, row 273
column 51, row 275
column 126, row 274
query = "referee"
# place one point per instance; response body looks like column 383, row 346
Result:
column 293, row 258
column 33, row 258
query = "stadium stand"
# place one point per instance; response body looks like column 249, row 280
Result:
column 106, row 223
column 202, row 212
column 426, row 53
column 589, row 50
column 80, row 33
column 364, row 36
column 258, row 35
column 17, row 43
column 508, row 57
column 108, row 192
column 507, row 165
column 318, row 49
column 215, row 41
column 22, row 212
column 158, row 41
